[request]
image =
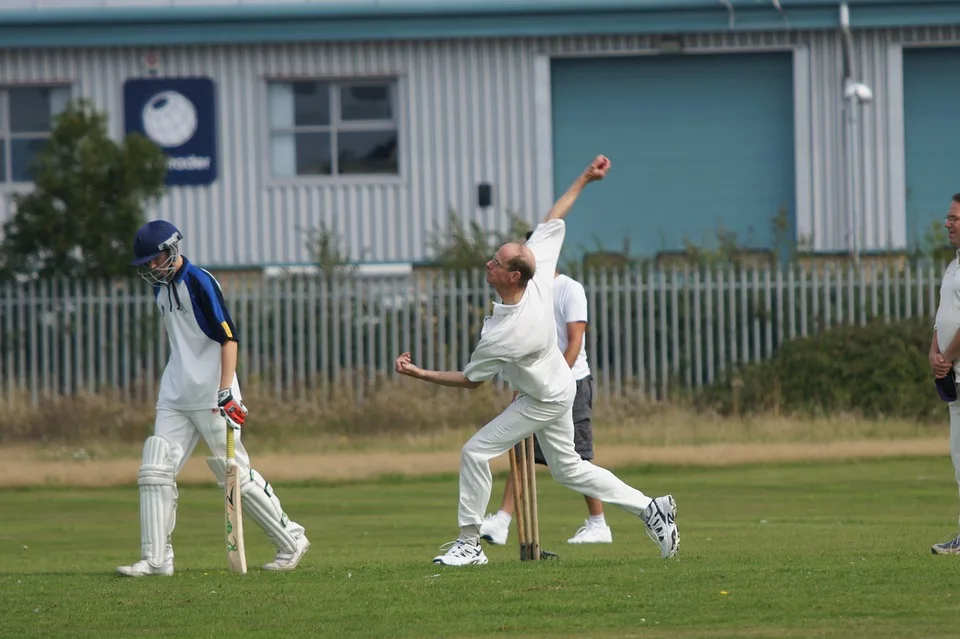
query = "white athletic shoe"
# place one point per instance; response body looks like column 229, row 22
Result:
column 285, row 561
column 495, row 529
column 951, row 547
column 592, row 534
column 143, row 568
column 461, row 553
column 660, row 519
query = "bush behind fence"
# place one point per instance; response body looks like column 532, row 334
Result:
column 653, row 331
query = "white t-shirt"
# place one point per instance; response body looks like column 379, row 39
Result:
column 197, row 324
column 570, row 305
column 519, row 341
column 948, row 312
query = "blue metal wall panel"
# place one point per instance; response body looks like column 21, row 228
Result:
column 118, row 23
column 932, row 135
column 698, row 143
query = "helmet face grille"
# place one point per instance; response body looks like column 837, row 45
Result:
column 163, row 272
column 152, row 241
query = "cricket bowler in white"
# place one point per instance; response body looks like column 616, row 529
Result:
column 519, row 342
column 199, row 397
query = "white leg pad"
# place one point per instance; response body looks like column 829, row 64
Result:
column 158, row 499
column 265, row 509
column 262, row 505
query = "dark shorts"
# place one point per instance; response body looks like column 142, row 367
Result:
column 582, row 425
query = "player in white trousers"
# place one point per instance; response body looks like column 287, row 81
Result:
column 519, row 342
column 945, row 348
column 571, row 311
column 199, row 394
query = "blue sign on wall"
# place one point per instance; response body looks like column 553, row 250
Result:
column 180, row 116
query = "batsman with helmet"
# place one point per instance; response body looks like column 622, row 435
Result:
column 199, row 397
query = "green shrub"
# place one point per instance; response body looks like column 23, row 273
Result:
column 876, row 370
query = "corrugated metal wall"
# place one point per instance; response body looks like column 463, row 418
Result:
column 467, row 116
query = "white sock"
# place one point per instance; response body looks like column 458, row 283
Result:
column 597, row 520
column 470, row 534
column 502, row 514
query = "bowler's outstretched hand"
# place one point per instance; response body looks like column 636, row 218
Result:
column 405, row 366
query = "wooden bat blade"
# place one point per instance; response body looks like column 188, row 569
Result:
column 236, row 554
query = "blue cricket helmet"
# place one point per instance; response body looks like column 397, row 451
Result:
column 152, row 239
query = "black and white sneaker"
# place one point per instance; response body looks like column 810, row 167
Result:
column 461, row 553
column 660, row 520
column 951, row 547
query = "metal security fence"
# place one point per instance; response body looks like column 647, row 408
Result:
column 651, row 330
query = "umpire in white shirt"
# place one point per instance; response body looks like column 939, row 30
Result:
column 945, row 352
column 570, row 311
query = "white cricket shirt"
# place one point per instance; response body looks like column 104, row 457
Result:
column 570, row 305
column 948, row 312
column 519, row 341
column 197, row 324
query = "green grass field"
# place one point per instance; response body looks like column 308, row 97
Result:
column 812, row 550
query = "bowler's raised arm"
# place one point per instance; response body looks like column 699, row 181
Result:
column 596, row 171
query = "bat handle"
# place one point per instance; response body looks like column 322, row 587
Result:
column 231, row 443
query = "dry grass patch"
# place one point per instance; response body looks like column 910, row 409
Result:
column 410, row 428
column 23, row 466
column 406, row 415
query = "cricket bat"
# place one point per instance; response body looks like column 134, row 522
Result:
column 236, row 555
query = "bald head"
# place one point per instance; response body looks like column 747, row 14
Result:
column 518, row 257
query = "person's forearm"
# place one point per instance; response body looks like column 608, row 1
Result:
column 571, row 354
column 228, row 363
column 454, row 379
column 562, row 206
column 934, row 345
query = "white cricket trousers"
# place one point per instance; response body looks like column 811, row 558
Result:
column 183, row 429
column 553, row 424
column 955, row 441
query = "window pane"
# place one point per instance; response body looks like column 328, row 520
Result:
column 283, row 154
column 32, row 108
column 59, row 97
column 367, row 152
column 365, row 102
column 23, row 153
column 312, row 103
column 313, row 154
column 280, row 105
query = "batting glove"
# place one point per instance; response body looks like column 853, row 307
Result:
column 232, row 409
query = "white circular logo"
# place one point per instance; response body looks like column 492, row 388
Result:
column 169, row 119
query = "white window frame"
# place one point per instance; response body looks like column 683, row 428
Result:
column 7, row 136
column 337, row 125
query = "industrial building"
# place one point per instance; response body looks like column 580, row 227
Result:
column 378, row 118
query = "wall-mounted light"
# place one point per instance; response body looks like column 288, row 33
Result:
column 484, row 195
column 859, row 91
